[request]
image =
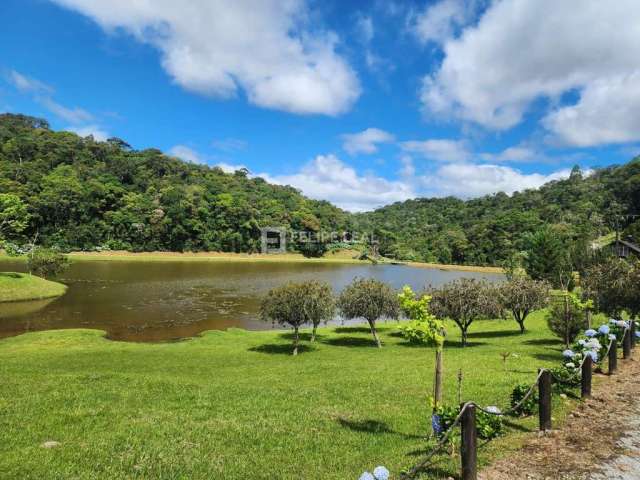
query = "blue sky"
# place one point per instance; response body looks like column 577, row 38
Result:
column 362, row 103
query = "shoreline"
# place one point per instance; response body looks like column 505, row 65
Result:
column 21, row 287
column 340, row 257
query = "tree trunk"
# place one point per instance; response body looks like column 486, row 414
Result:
column 372, row 325
column 313, row 333
column 296, row 340
column 521, row 323
column 437, row 385
column 464, row 337
column 588, row 318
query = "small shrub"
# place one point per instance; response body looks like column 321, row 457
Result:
column 46, row 262
column 529, row 406
column 488, row 425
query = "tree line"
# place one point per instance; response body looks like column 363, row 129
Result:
column 76, row 193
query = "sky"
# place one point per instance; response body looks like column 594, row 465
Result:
column 362, row 103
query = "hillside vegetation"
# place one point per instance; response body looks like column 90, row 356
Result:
column 85, row 195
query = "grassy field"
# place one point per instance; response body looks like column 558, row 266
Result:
column 16, row 287
column 236, row 405
column 339, row 256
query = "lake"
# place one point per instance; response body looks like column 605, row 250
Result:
column 160, row 301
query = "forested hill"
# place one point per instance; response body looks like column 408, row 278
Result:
column 488, row 230
column 81, row 194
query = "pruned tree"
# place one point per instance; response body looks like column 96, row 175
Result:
column 370, row 299
column 608, row 284
column 298, row 304
column 464, row 301
column 522, row 295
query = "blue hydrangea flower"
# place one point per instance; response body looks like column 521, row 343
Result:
column 591, row 333
column 381, row 473
column 568, row 354
column 638, row 333
column 604, row 329
column 436, row 424
column 592, row 354
column 367, row 476
column 612, row 337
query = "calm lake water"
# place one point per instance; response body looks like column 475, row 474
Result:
column 157, row 301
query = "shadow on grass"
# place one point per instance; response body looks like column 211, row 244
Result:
column 548, row 357
column 458, row 344
column 304, row 337
column 516, row 426
column 351, row 342
column 10, row 275
column 280, row 349
column 352, row 330
column 373, row 426
column 495, row 334
column 548, row 342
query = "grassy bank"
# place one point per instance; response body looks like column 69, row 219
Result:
column 15, row 287
column 340, row 256
column 236, row 405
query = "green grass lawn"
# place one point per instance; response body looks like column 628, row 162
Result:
column 236, row 405
column 22, row 286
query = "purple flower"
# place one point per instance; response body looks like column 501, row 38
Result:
column 591, row 333
column 436, row 424
column 367, row 476
column 592, row 354
column 381, row 473
column 568, row 354
column 604, row 329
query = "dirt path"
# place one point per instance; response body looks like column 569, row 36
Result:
column 600, row 440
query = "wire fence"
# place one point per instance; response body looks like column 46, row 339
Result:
column 542, row 384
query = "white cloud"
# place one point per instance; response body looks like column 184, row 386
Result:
column 185, row 153
column 267, row 48
column 364, row 28
column 328, row 178
column 229, row 168
column 467, row 180
column 607, row 112
column 438, row 149
column 521, row 51
column 27, row 84
column 366, row 141
column 98, row 133
column 438, row 21
column 513, row 154
column 72, row 115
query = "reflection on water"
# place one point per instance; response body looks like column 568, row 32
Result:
column 154, row 301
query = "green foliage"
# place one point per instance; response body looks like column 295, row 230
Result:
column 423, row 327
column 547, row 257
column 488, row 426
column 521, row 296
column 611, row 285
column 370, row 299
column 46, row 262
column 14, row 217
column 298, row 304
column 567, row 315
column 83, row 194
column 464, row 301
column 529, row 406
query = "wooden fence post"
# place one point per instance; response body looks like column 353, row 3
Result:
column 544, row 402
column 613, row 357
column 585, row 382
column 626, row 344
column 468, row 449
column 633, row 334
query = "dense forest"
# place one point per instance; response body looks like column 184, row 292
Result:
column 81, row 194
